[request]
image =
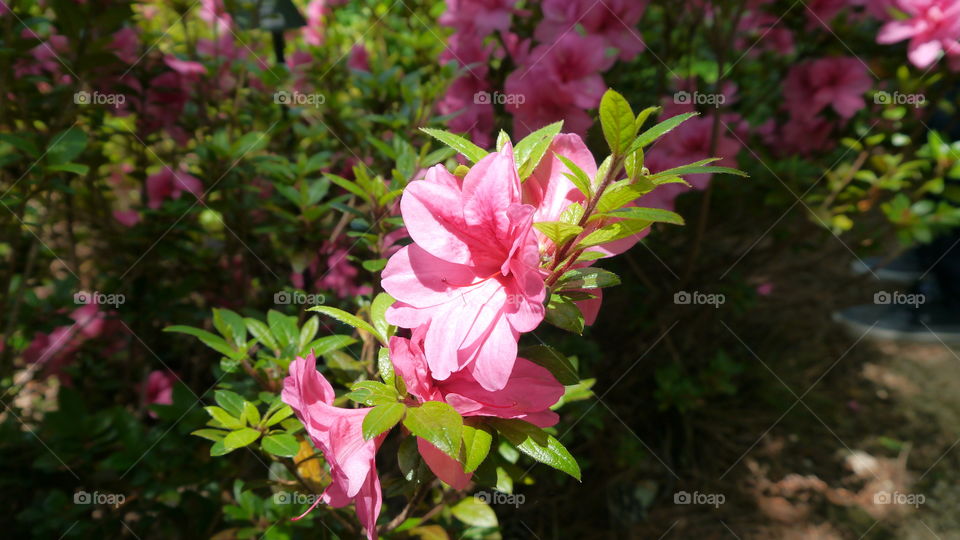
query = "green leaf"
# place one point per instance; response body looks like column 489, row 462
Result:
column 475, row 512
column 20, row 143
column 373, row 393
column 378, row 314
column 215, row 342
column 658, row 131
column 350, row 319
column 554, row 361
column 349, row 185
column 469, row 150
column 66, row 145
column 327, row 345
column 223, row 417
column 374, row 265
column 382, row 418
column 210, row 434
column 644, row 115
column 614, row 231
column 281, row 444
column 590, row 256
column 75, row 168
column 250, row 413
column 538, row 444
column 283, row 327
column 618, row 121
column 564, row 314
column 530, row 151
column 220, row 449
column 578, row 176
column 502, row 140
column 308, row 331
column 617, row 195
column 651, row 215
column 558, row 232
column 230, row 401
column 262, row 332
column 385, row 366
column 233, row 323
column 282, row 414
column 438, row 424
column 587, row 278
column 476, row 446
column 240, row 438
column 699, row 167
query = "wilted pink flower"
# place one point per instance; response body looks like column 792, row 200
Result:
column 472, row 272
column 337, row 432
column 815, row 85
column 933, row 27
column 613, row 20
column 170, row 184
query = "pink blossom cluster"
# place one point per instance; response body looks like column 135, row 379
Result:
column 558, row 74
column 932, row 28
column 468, row 286
column 52, row 351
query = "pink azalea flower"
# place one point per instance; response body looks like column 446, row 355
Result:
column 472, row 271
column 761, row 32
column 313, row 31
column 821, row 12
column 126, row 44
column 529, row 393
column 613, row 20
column 214, row 12
column 341, row 276
column 815, row 85
column 481, row 16
column 337, row 432
column 474, row 114
column 170, row 184
column 192, row 71
column 359, row 59
column 933, row 27
column 127, row 218
column 159, row 387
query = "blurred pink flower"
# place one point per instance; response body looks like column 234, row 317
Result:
column 359, row 59
column 158, row 389
column 613, row 20
column 125, row 44
column 838, row 82
column 169, row 184
column 313, row 31
column 932, row 26
column 478, row 16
